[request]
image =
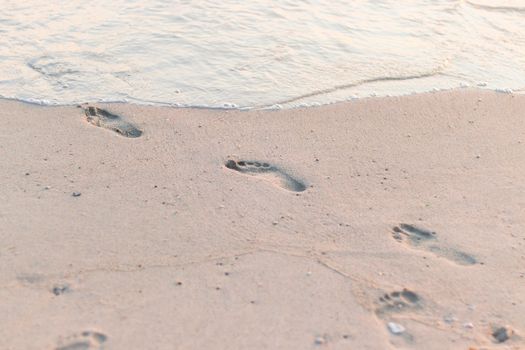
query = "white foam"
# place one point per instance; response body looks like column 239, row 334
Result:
column 504, row 91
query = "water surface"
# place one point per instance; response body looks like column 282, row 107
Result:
column 255, row 53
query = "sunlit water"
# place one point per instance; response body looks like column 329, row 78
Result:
column 255, row 53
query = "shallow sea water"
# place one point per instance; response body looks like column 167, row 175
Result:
column 255, row 53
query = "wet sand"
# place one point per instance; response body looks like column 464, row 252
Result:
column 387, row 223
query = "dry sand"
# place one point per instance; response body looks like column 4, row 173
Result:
column 164, row 247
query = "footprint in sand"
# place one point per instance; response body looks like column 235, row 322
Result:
column 421, row 238
column 104, row 119
column 268, row 172
column 501, row 334
column 87, row 340
column 398, row 301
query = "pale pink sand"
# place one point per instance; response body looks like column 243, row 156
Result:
column 166, row 248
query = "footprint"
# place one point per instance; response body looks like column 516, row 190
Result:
column 87, row 340
column 502, row 334
column 398, row 301
column 421, row 238
column 267, row 171
column 102, row 118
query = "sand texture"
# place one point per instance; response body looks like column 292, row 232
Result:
column 386, row 223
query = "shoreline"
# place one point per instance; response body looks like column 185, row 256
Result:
column 272, row 107
column 411, row 214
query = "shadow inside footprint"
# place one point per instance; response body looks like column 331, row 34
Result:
column 87, row 340
column 421, row 238
column 267, row 171
column 105, row 119
column 398, row 301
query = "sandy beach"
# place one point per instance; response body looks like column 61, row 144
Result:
column 384, row 223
